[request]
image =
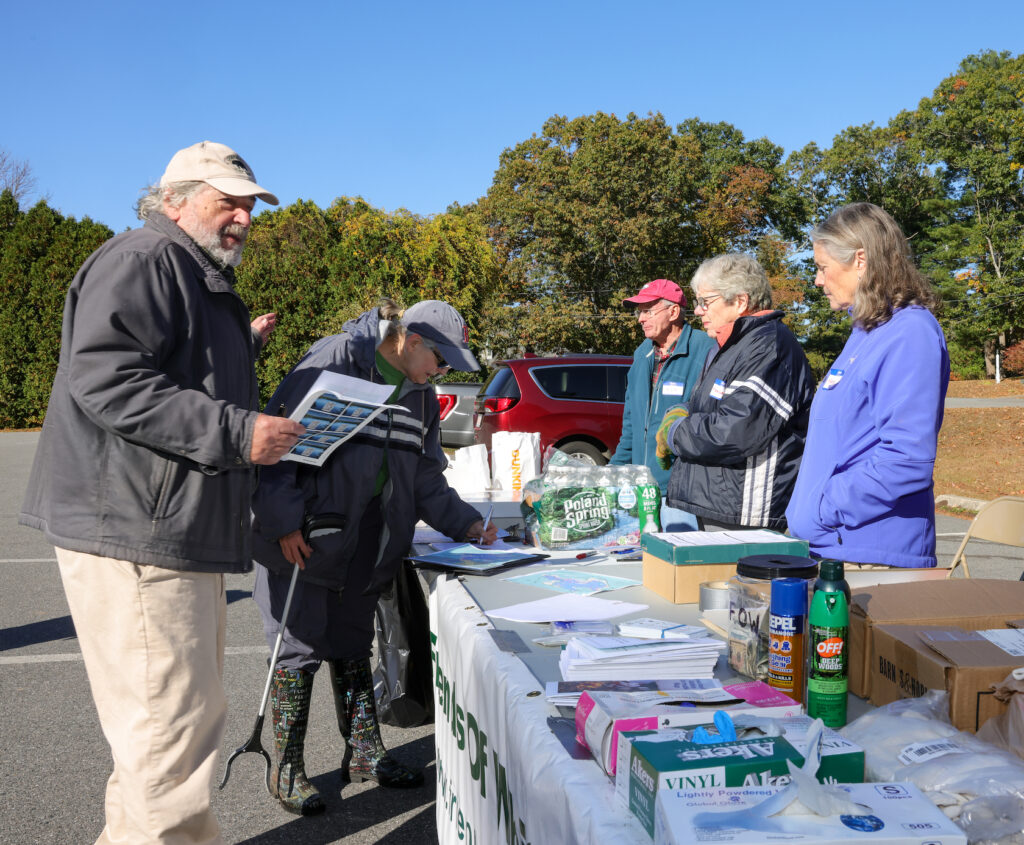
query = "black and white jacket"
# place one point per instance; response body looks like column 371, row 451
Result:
column 738, row 451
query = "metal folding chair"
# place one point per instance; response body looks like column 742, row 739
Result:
column 999, row 521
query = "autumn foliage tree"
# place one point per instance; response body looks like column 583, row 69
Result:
column 951, row 172
column 586, row 212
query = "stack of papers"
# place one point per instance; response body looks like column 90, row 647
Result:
column 635, row 659
column 723, row 538
column 567, row 693
column 660, row 629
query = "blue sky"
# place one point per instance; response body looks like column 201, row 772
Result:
column 410, row 104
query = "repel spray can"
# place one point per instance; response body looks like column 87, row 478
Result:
column 829, row 671
column 787, row 622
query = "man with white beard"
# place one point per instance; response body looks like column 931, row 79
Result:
column 142, row 481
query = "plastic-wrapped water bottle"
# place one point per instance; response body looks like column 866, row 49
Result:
column 648, row 494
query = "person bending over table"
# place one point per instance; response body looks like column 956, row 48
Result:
column 381, row 481
column 864, row 493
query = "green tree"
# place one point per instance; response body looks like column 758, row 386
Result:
column 287, row 269
column 318, row 268
column 585, row 213
column 877, row 164
column 40, row 252
column 971, row 130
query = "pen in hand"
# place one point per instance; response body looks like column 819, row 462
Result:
column 483, row 531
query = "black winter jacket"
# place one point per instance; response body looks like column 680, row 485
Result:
column 144, row 454
column 416, row 488
column 739, row 449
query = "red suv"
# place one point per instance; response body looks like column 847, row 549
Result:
column 574, row 401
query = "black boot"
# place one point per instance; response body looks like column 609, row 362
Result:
column 290, row 692
column 365, row 755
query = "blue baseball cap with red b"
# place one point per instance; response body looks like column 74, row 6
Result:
column 443, row 326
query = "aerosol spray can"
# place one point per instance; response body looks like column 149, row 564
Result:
column 828, row 679
column 787, row 623
column 832, row 576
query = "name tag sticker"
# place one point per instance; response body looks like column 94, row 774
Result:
column 718, row 389
column 673, row 388
column 835, row 375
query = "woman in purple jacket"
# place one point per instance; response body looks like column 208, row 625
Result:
column 864, row 491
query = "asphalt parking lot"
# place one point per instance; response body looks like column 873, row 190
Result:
column 55, row 760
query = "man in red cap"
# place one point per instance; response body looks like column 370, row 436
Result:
column 665, row 368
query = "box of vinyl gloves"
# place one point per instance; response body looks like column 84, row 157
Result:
column 652, row 761
column 803, row 810
column 875, row 813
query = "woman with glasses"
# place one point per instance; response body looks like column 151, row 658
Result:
column 736, row 447
column 865, row 488
column 377, row 484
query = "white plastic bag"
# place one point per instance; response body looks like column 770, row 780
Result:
column 468, row 471
column 515, row 459
column 975, row 783
column 1007, row 730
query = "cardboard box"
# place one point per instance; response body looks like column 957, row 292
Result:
column 675, row 565
column 899, row 815
column 910, row 660
column 681, row 584
column 602, row 716
column 970, row 603
column 650, row 761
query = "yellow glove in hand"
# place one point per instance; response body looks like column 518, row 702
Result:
column 664, row 451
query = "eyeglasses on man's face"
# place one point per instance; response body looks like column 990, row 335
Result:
column 703, row 302
column 646, row 312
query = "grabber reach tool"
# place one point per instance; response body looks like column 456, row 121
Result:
column 314, row 527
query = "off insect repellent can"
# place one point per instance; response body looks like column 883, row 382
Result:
column 827, row 681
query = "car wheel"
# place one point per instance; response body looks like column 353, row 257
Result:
column 582, row 451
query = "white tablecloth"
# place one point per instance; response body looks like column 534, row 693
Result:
column 503, row 776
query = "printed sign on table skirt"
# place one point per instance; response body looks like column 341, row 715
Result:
column 502, row 775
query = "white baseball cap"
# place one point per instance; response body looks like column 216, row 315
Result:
column 219, row 167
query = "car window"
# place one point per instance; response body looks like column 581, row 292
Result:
column 617, row 383
column 587, row 381
column 501, row 383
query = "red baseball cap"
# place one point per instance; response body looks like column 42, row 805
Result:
column 659, row 289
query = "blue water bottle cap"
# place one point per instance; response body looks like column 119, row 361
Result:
column 789, row 597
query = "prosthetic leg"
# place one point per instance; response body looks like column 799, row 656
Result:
column 365, row 755
column 290, row 694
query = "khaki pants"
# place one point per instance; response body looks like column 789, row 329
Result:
column 153, row 643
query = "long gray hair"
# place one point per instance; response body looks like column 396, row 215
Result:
column 890, row 280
